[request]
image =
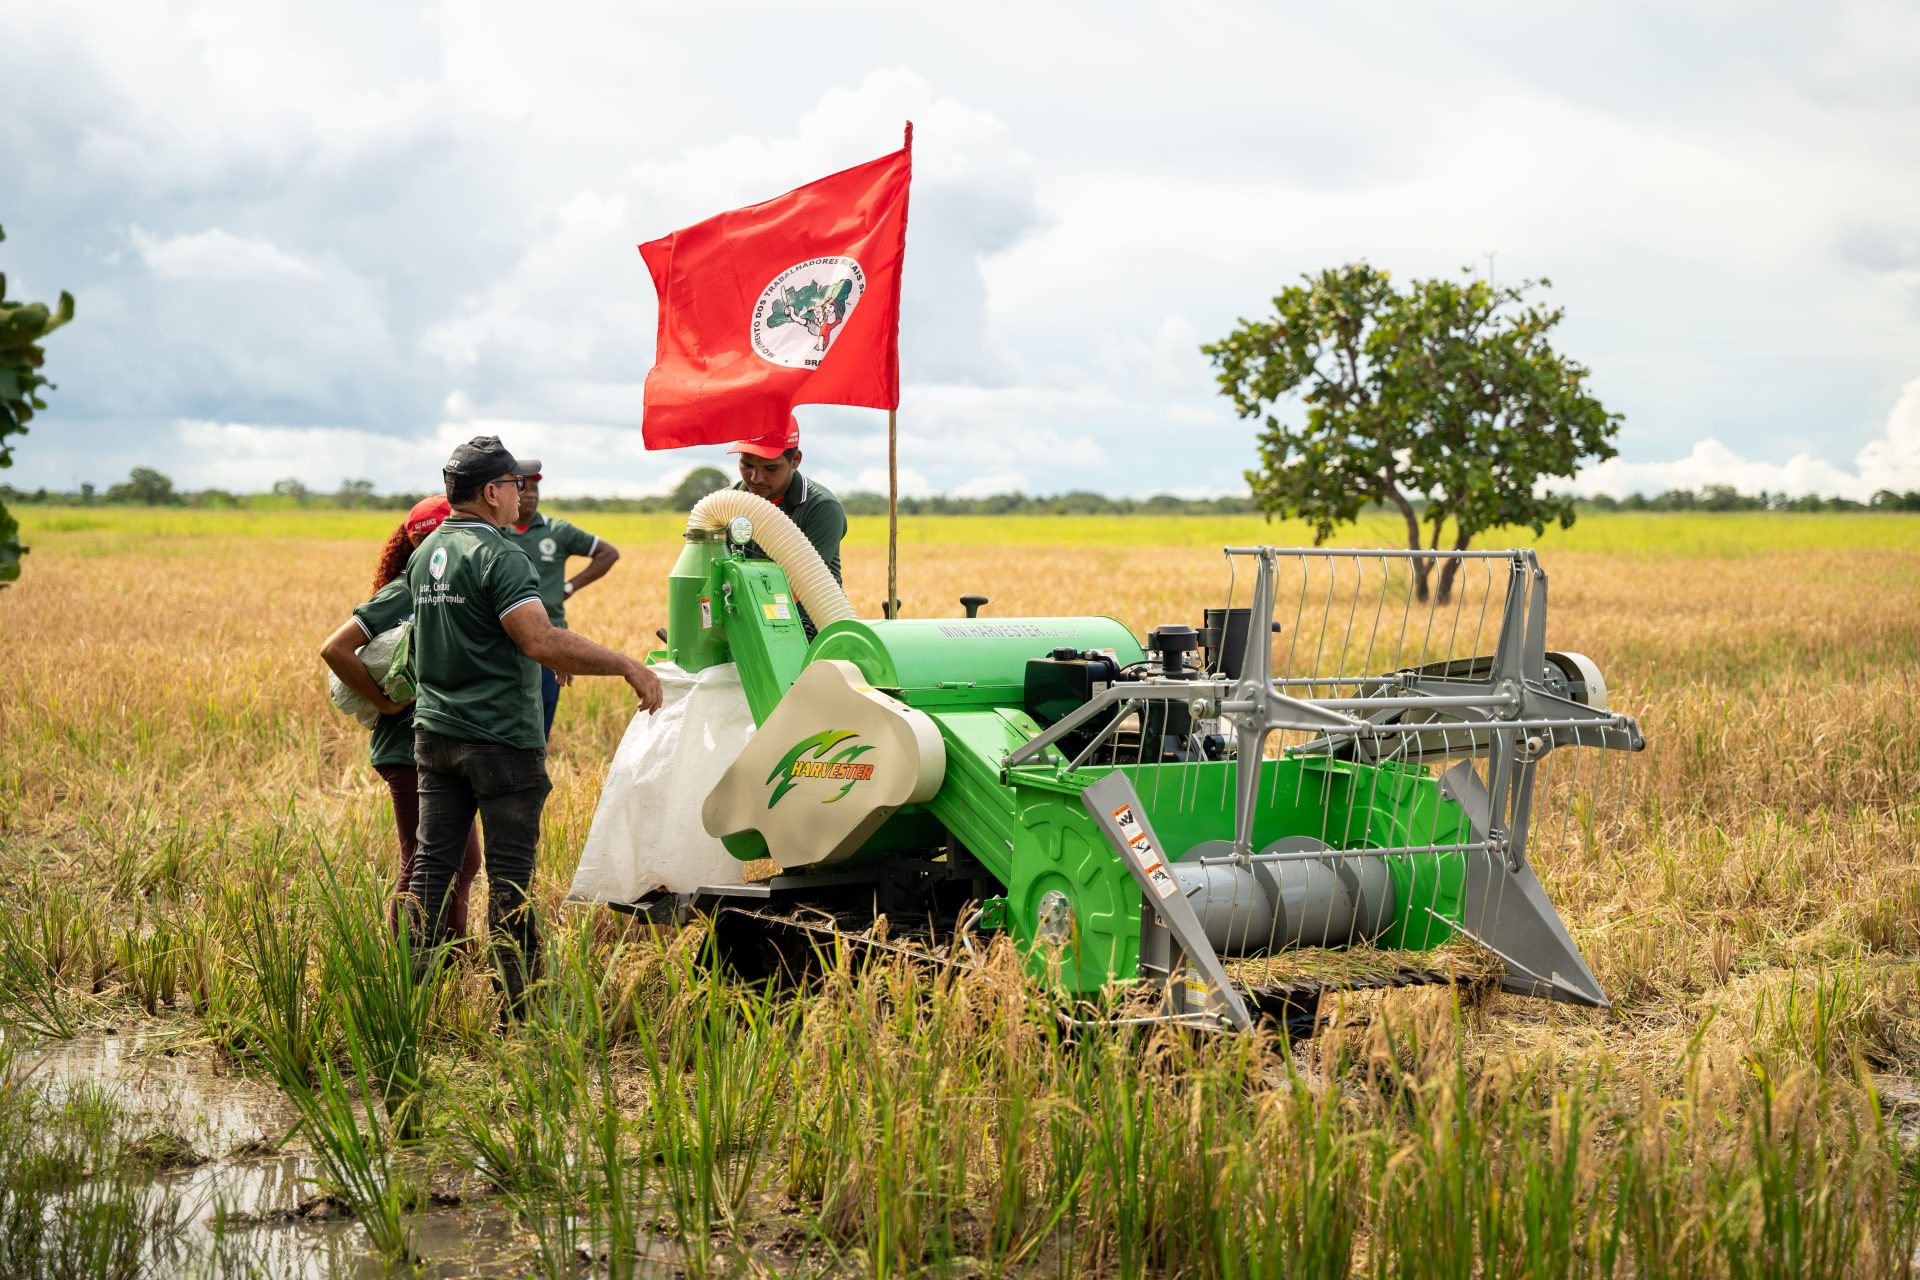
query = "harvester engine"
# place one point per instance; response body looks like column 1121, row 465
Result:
column 1326, row 763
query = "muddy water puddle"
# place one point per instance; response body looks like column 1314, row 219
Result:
column 247, row 1197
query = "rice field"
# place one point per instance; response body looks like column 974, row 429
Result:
column 196, row 858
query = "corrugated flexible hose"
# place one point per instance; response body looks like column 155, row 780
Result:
column 783, row 542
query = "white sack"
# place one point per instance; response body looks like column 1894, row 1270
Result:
column 646, row 834
column 376, row 655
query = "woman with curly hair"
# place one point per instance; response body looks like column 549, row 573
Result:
column 392, row 744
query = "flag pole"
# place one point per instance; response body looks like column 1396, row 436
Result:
column 893, row 513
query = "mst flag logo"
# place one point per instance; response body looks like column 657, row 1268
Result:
column 795, row 767
column 795, row 300
column 799, row 315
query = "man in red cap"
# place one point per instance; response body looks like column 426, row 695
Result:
column 770, row 469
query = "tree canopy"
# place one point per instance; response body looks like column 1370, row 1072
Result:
column 22, row 326
column 1447, row 391
column 695, row 485
column 144, row 487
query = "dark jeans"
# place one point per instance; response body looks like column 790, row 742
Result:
column 549, row 697
column 507, row 787
column 403, row 784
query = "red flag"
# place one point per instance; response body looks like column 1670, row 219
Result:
column 792, row 301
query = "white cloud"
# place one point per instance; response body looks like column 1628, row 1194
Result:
column 1890, row 461
column 1893, row 460
column 218, row 254
column 874, row 480
column 250, row 457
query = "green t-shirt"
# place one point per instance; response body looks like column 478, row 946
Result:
column 810, row 505
column 819, row 515
column 474, row 683
column 548, row 543
column 390, row 606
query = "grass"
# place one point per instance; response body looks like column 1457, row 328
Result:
column 191, row 840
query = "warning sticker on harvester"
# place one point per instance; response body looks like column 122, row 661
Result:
column 776, row 610
column 1140, row 849
column 706, row 614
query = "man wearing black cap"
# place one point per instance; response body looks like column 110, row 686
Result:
column 480, row 637
column 548, row 543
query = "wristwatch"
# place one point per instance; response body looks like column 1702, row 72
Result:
column 566, row 588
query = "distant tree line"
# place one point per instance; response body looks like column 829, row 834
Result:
column 1724, row 497
column 146, row 487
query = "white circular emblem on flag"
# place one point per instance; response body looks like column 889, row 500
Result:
column 437, row 563
column 800, row 314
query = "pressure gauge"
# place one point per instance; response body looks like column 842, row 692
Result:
column 739, row 531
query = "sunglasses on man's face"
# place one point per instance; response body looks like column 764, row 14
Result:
column 518, row 482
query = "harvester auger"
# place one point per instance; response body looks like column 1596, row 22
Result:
column 1324, row 766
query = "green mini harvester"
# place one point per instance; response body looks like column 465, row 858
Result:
column 1322, row 766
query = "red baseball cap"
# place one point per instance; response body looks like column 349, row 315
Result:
column 427, row 514
column 770, row 446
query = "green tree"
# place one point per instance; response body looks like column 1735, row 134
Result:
column 22, row 326
column 289, row 487
column 356, row 493
column 1445, row 401
column 697, row 484
column 144, row 487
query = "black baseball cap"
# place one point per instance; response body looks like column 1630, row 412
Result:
column 479, row 460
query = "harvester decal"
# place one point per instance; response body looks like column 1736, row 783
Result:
column 795, row 768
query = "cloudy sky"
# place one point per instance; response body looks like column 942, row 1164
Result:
column 329, row 241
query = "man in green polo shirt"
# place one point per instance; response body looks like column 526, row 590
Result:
column 480, row 637
column 548, row 543
column 770, row 469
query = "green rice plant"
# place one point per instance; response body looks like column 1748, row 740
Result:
column 617, row 1196
column 1297, row 1188
column 546, row 1127
column 95, row 956
column 518, row 1128
column 166, row 870
column 1433, row 1177
column 1545, row 1187
column 60, row 923
column 1122, row 1108
column 345, row 1123
column 381, row 1003
column 30, row 995
column 1651, row 1222
column 576, row 1005
column 713, row 1125
column 206, row 975
column 150, row 963
column 1028, row 1197
column 281, row 1024
column 1819, row 1018
column 1805, row 1197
